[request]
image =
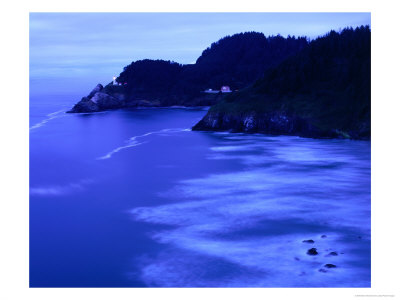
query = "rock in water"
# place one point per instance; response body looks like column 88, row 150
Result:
column 312, row 251
column 322, row 270
column 309, row 241
column 333, row 253
column 329, row 266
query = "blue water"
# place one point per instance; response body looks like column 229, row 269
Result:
column 133, row 198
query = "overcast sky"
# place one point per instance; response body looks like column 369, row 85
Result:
column 86, row 48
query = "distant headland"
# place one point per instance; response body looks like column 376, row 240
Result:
column 253, row 83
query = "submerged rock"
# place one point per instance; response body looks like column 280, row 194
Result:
column 329, row 266
column 323, row 236
column 322, row 270
column 312, row 251
column 333, row 253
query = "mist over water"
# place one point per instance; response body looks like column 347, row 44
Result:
column 133, row 198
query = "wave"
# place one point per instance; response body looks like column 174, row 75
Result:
column 243, row 224
column 246, row 228
column 133, row 141
column 58, row 190
column 49, row 116
column 109, row 154
column 189, row 107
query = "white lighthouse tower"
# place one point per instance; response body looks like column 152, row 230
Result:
column 115, row 81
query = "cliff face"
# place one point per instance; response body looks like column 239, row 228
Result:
column 115, row 97
column 99, row 99
column 323, row 91
column 276, row 123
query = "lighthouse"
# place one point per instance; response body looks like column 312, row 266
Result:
column 115, row 81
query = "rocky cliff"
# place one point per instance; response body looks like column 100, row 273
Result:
column 114, row 97
column 322, row 91
column 98, row 100
column 276, row 123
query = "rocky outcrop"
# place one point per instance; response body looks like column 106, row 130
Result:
column 300, row 97
column 98, row 88
column 312, row 251
column 114, row 97
column 99, row 100
column 308, row 241
column 279, row 123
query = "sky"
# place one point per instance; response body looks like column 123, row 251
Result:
column 72, row 52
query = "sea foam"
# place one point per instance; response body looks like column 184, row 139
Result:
column 246, row 228
column 50, row 116
column 134, row 141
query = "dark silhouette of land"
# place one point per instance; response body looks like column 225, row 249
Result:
column 319, row 88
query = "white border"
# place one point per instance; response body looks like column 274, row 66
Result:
column 15, row 152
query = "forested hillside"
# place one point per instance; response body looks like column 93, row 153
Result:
column 236, row 61
column 324, row 90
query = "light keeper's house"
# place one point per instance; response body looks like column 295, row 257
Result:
column 225, row 89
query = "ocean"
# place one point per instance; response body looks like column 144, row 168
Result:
column 134, row 198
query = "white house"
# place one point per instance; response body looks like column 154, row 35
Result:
column 226, row 89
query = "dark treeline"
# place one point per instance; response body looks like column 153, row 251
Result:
column 330, row 80
column 328, row 84
column 236, row 61
column 240, row 59
column 281, row 85
column 334, row 62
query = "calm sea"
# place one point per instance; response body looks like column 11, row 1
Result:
column 134, row 198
